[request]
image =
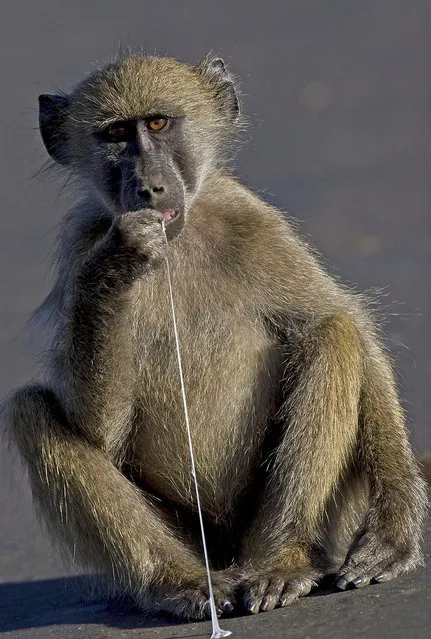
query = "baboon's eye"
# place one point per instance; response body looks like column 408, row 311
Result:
column 118, row 132
column 156, row 124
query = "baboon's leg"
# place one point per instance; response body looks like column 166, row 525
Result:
column 321, row 427
column 100, row 517
column 388, row 542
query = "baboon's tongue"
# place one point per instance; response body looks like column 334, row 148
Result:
column 167, row 215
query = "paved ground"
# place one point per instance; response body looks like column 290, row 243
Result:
column 339, row 99
column 57, row 608
column 53, row 608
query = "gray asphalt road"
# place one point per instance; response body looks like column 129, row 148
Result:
column 338, row 97
column 401, row 611
column 57, row 608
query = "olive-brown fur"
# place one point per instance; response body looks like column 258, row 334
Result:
column 302, row 457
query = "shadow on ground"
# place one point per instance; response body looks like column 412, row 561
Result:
column 67, row 601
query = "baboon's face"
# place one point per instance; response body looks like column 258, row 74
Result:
column 145, row 162
column 144, row 131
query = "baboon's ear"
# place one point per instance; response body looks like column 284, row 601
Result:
column 214, row 71
column 53, row 110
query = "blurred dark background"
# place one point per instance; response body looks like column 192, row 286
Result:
column 338, row 99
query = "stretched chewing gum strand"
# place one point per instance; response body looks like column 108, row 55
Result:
column 217, row 633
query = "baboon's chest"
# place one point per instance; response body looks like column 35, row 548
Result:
column 232, row 370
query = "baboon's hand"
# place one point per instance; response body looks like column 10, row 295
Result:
column 142, row 232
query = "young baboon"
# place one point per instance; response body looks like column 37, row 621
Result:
column 302, row 456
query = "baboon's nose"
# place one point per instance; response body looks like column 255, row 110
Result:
column 148, row 195
column 149, row 192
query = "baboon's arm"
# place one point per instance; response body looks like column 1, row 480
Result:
column 96, row 357
column 93, row 355
column 318, row 439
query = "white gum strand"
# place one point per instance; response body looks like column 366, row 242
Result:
column 217, row 633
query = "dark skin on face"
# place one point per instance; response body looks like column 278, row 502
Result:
column 140, row 167
column 302, row 456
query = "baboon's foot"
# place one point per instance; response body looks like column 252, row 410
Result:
column 375, row 560
column 266, row 590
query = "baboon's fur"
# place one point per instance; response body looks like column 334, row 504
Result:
column 301, row 450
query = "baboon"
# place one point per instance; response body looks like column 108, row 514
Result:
column 302, row 456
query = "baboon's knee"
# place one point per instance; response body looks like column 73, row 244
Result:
column 26, row 413
column 337, row 339
column 342, row 341
column 340, row 326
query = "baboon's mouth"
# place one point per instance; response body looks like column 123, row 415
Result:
column 170, row 215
